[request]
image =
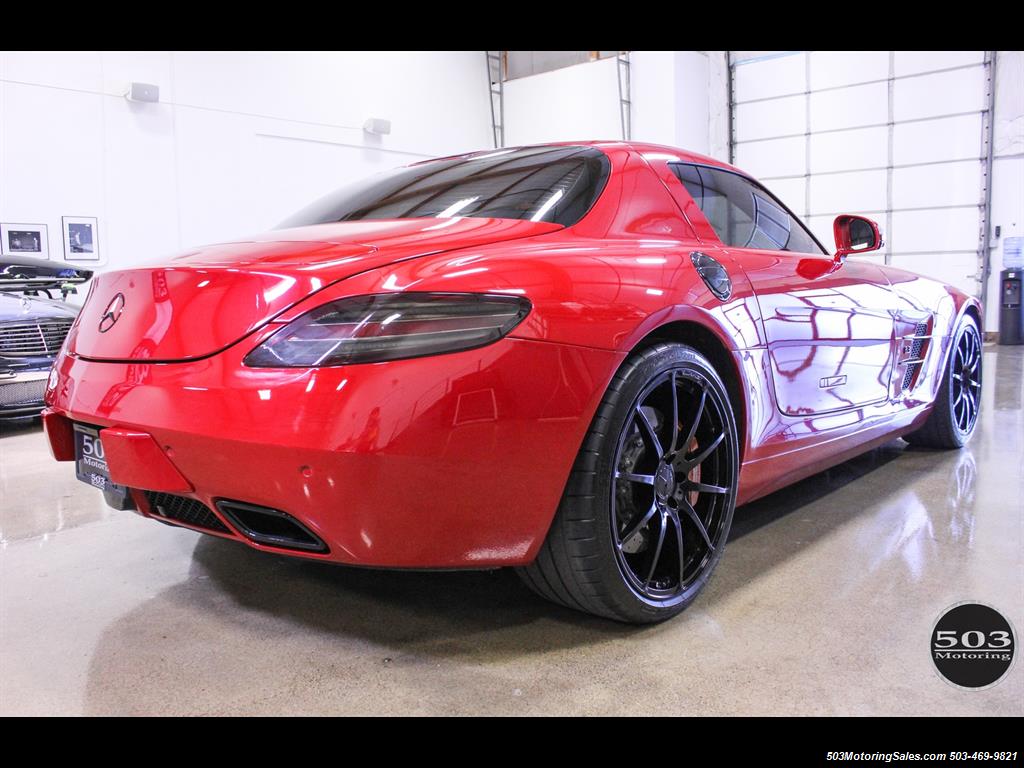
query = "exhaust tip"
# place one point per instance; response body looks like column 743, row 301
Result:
column 270, row 526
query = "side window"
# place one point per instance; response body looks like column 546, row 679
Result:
column 743, row 214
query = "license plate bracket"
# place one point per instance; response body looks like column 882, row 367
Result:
column 91, row 467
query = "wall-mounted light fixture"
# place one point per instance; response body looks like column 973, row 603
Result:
column 146, row 92
column 377, row 125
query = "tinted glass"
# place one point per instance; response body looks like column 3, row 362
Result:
column 553, row 184
column 743, row 214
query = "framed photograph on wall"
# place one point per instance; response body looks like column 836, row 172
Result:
column 81, row 242
column 25, row 240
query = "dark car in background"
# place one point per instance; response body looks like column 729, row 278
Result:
column 34, row 319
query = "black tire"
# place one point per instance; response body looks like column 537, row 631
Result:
column 954, row 416
column 602, row 554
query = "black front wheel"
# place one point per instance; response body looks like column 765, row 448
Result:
column 647, row 510
column 954, row 415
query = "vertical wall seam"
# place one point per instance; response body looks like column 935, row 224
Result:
column 730, row 85
column 807, row 135
column 890, row 159
column 988, row 128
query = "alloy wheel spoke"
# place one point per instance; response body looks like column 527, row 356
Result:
column 639, row 526
column 675, row 415
column 696, row 418
column 705, row 488
column 647, row 433
column 701, row 528
column 678, row 525
column 697, row 460
column 632, row 477
column 657, row 551
column 975, row 352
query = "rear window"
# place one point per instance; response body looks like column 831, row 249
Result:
column 552, row 184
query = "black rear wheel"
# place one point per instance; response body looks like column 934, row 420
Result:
column 648, row 507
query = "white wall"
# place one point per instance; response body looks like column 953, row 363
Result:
column 238, row 141
column 1007, row 168
column 679, row 98
column 571, row 104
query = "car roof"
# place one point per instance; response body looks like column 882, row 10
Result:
column 641, row 147
column 645, row 148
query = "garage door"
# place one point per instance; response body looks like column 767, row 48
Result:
column 899, row 136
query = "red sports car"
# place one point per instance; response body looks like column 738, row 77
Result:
column 574, row 359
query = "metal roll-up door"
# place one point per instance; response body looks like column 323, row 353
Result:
column 900, row 136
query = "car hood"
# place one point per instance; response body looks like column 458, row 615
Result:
column 15, row 307
column 201, row 302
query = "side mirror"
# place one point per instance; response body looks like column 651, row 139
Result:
column 856, row 234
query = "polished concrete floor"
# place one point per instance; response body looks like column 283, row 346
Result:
column 823, row 604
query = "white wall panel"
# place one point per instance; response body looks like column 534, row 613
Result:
column 570, row 104
column 238, row 140
column 849, row 107
column 76, row 70
column 652, row 83
column 834, row 68
column 771, row 77
column 679, row 98
column 955, row 229
column 432, row 98
column 1008, row 130
column 778, row 157
column 911, row 62
column 847, row 150
column 848, row 192
column 1007, row 203
column 691, row 102
column 937, row 185
column 945, row 93
column 140, row 187
column 767, row 119
column 1008, row 214
column 950, row 138
column 66, row 178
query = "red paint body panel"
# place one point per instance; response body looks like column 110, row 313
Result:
column 135, row 459
column 362, row 453
column 60, row 435
column 459, row 460
column 201, row 302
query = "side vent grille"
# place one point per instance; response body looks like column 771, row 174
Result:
column 916, row 353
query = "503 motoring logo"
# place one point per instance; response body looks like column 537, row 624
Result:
column 972, row 646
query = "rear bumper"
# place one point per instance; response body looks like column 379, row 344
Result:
column 452, row 461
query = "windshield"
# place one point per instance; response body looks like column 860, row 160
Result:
column 551, row 184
